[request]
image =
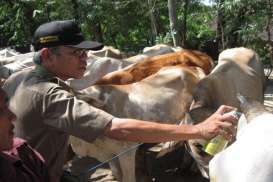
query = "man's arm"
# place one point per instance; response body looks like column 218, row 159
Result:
column 151, row 132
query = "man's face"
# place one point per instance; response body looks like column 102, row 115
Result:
column 69, row 62
column 6, row 126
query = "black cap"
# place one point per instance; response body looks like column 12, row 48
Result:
column 58, row 33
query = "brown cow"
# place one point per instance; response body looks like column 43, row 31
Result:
column 151, row 65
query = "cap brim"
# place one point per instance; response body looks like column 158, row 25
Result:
column 90, row 45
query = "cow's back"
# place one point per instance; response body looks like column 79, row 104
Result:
column 151, row 65
column 164, row 96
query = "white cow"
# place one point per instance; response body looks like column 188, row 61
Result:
column 250, row 157
column 99, row 63
column 155, row 50
column 160, row 49
column 7, row 52
column 15, row 63
column 239, row 70
column 97, row 67
column 107, row 51
column 164, row 96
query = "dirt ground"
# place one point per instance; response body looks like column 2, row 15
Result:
column 164, row 169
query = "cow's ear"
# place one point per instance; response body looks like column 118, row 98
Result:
column 199, row 114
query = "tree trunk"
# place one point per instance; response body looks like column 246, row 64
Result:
column 234, row 39
column 184, row 23
column 173, row 22
column 75, row 9
column 95, row 28
column 154, row 30
column 220, row 25
column 268, row 29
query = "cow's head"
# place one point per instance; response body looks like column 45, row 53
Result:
column 196, row 146
column 201, row 108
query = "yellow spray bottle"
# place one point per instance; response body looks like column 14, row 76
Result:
column 219, row 142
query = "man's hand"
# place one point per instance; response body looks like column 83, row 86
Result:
column 218, row 123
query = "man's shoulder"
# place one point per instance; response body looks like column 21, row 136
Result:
column 28, row 80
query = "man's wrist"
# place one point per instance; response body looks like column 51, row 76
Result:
column 191, row 132
column 198, row 131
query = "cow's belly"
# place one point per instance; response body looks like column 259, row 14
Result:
column 250, row 158
column 165, row 105
column 102, row 148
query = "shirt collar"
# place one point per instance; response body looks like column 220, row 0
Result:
column 43, row 72
column 8, row 157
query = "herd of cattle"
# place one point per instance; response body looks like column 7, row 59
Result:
column 176, row 86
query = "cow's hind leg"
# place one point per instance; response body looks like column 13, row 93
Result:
column 116, row 170
column 127, row 165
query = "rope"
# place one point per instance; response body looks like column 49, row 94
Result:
column 107, row 161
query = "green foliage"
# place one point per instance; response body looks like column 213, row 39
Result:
column 245, row 21
column 199, row 19
column 14, row 24
column 118, row 21
column 164, row 39
column 126, row 24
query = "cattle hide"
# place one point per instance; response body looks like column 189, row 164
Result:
column 155, row 50
column 107, row 51
column 16, row 63
column 239, row 70
column 163, row 97
column 250, row 157
column 160, row 49
column 151, row 65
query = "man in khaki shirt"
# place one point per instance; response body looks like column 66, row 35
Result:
column 47, row 111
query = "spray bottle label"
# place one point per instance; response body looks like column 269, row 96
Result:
column 216, row 145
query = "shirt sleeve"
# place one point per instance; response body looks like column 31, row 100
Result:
column 64, row 111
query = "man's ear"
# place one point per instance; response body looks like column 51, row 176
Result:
column 46, row 57
column 44, row 52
